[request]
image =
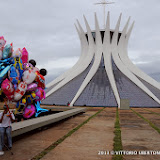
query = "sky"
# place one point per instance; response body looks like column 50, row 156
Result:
column 46, row 28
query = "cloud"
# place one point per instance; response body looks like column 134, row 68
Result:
column 46, row 29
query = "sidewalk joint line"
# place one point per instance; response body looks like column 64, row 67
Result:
column 152, row 112
column 117, row 146
column 148, row 121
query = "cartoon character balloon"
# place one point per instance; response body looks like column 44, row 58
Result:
column 20, row 91
column 17, row 53
column 40, row 80
column 30, row 97
column 18, row 65
column 7, row 88
column 28, row 76
column 40, row 94
column 13, row 75
column 27, row 66
column 20, row 105
column 33, row 62
column 29, row 111
column 35, row 69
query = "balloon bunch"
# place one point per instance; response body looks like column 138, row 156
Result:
column 20, row 80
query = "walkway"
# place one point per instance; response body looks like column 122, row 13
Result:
column 90, row 135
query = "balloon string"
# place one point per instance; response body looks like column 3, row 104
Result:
column 6, row 103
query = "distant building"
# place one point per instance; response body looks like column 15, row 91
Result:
column 103, row 74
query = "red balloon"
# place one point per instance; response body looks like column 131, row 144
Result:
column 40, row 80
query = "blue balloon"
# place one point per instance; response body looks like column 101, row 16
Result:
column 20, row 106
column 6, row 62
column 39, row 110
column 14, row 76
column 1, row 67
column 3, row 73
column 7, row 51
column 18, row 64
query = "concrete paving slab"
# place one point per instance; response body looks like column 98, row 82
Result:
column 137, row 135
column 157, row 110
column 154, row 118
column 96, row 135
column 85, row 144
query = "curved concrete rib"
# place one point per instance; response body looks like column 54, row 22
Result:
column 135, row 70
column 122, row 41
column 108, row 61
column 84, row 48
column 85, row 63
column 119, row 49
column 95, row 66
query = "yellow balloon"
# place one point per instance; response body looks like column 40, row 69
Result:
column 24, row 100
column 33, row 95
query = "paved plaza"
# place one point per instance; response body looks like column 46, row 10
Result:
column 90, row 135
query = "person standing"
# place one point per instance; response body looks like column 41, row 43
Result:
column 6, row 118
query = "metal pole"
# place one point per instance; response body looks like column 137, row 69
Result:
column 104, row 3
column 104, row 15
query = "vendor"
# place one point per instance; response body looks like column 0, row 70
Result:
column 6, row 118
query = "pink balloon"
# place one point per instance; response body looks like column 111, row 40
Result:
column 29, row 111
column 27, row 66
column 2, row 42
column 32, row 87
column 20, row 91
column 40, row 94
column 8, row 89
column 24, row 55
